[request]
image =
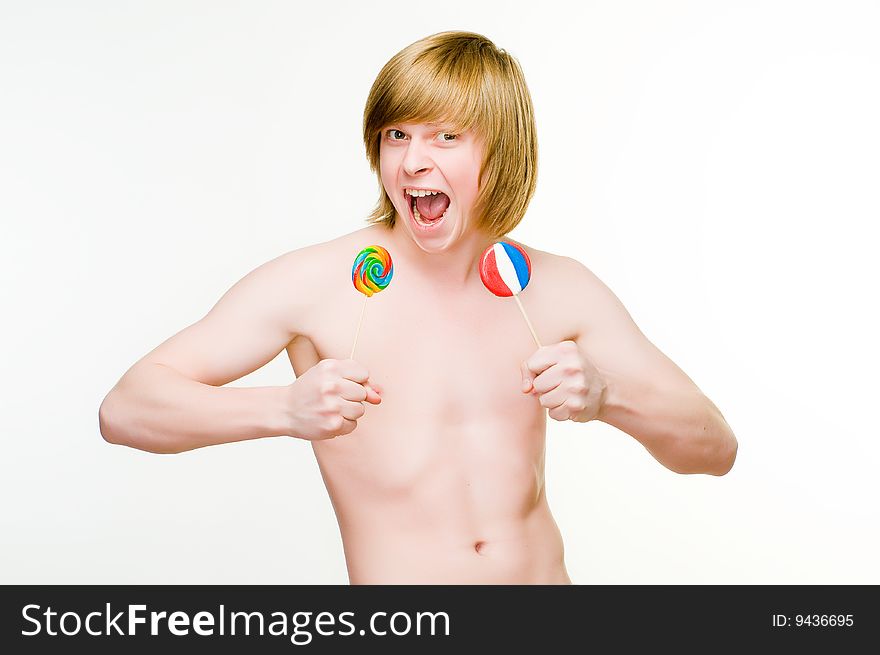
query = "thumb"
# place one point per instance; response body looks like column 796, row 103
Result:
column 372, row 395
column 526, row 378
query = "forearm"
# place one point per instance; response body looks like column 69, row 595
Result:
column 155, row 408
column 683, row 430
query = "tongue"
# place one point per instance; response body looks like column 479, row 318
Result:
column 432, row 207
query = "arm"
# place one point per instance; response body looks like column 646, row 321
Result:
column 172, row 400
column 647, row 395
column 155, row 408
column 613, row 373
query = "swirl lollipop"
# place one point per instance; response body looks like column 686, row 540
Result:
column 371, row 273
column 372, row 270
column 505, row 270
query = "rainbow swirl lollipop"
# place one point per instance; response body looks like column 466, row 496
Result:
column 372, row 270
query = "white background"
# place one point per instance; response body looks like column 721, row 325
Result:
column 715, row 163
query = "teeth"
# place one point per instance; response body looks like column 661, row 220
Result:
column 420, row 192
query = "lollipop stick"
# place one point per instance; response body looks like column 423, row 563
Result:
column 528, row 322
column 363, row 309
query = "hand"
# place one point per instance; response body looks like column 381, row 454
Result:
column 567, row 383
column 327, row 400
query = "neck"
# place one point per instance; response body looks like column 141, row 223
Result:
column 453, row 268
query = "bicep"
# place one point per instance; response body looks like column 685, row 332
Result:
column 246, row 329
column 610, row 338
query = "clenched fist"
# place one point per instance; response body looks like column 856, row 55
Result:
column 565, row 382
column 327, row 400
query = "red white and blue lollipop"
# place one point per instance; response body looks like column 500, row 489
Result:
column 505, row 270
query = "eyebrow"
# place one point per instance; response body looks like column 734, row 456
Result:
column 449, row 125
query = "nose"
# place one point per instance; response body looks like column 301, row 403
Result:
column 416, row 160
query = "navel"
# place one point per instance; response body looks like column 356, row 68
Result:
column 479, row 546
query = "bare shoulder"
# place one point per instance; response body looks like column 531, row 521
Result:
column 337, row 247
column 553, row 265
column 588, row 312
column 286, row 288
column 310, row 268
column 571, row 291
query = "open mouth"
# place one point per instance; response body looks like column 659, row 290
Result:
column 430, row 216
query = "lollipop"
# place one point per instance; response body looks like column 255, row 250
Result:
column 372, row 270
column 371, row 273
column 505, row 270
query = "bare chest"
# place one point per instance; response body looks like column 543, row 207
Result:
column 450, row 375
column 453, row 359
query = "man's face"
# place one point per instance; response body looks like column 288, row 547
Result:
column 425, row 156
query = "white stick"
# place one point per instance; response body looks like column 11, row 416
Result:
column 363, row 309
column 528, row 322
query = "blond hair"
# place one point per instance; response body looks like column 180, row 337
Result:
column 464, row 80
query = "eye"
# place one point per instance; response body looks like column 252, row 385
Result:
column 393, row 132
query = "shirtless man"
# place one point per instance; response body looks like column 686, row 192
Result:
column 431, row 440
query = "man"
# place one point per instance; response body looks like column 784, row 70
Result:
column 441, row 478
